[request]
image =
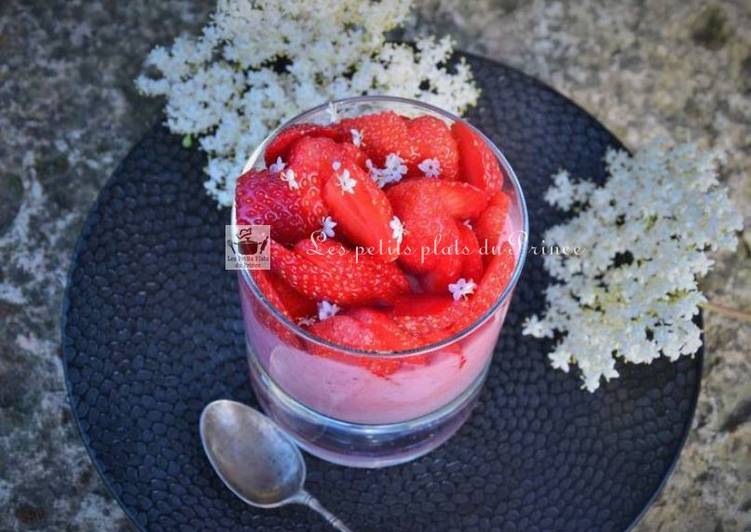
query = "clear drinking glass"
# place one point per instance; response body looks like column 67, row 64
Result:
column 336, row 407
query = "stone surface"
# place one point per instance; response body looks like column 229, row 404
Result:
column 70, row 113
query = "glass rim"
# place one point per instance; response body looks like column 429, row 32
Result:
column 500, row 300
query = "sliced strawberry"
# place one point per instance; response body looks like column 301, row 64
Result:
column 266, row 286
column 262, row 198
column 263, row 316
column 458, row 200
column 280, row 145
column 390, row 335
column 351, row 332
column 432, row 139
column 421, row 315
column 381, row 276
column 347, row 331
column 354, row 153
column 472, row 265
column 478, row 164
column 451, row 316
column 424, row 220
column 283, row 297
column 393, row 335
column 381, row 134
column 420, row 304
column 496, row 277
column 293, row 302
column 361, row 209
column 461, row 200
column 448, row 266
column 494, row 281
column 431, row 239
column 425, row 316
column 368, row 329
column 311, row 160
column 328, row 271
column 491, row 223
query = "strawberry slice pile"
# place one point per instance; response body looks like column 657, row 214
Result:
column 387, row 234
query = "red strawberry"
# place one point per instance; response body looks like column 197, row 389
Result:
column 264, row 316
column 353, row 332
column 263, row 280
column 490, row 224
column 478, row 164
column 347, row 331
column 327, row 270
column 263, row 198
column 354, row 153
column 444, row 314
column 421, row 315
column 389, row 333
column 280, row 145
column 448, row 266
column 461, row 200
column 432, row 139
column 361, row 209
column 431, row 239
column 458, row 200
column 472, row 264
column 310, row 162
column 420, row 304
column 494, row 281
column 368, row 329
column 381, row 134
column 289, row 301
column 392, row 335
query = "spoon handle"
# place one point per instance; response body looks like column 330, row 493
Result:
column 310, row 501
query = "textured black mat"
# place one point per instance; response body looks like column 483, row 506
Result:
column 152, row 333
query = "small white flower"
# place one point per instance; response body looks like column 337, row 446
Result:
column 328, row 227
column 397, row 229
column 346, row 182
column 430, row 167
column 289, row 177
column 220, row 91
column 333, row 112
column 326, row 310
column 467, row 223
column 462, row 288
column 394, row 168
column 306, row 320
column 664, row 207
column 375, row 173
column 336, row 165
column 392, row 172
column 356, row 137
column 534, row 327
column 278, row 166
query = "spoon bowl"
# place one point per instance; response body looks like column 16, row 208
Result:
column 255, row 459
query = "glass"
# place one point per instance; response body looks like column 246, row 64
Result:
column 343, row 407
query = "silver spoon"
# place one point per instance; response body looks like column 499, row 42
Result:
column 255, row 459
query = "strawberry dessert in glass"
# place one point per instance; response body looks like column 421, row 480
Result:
column 397, row 235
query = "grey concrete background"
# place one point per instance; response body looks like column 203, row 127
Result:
column 69, row 113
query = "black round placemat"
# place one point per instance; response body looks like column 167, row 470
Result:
column 152, row 332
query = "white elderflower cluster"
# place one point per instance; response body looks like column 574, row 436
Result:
column 644, row 237
column 260, row 62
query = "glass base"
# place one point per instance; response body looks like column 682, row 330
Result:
column 357, row 444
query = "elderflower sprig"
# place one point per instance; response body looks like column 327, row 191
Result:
column 645, row 237
column 223, row 89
